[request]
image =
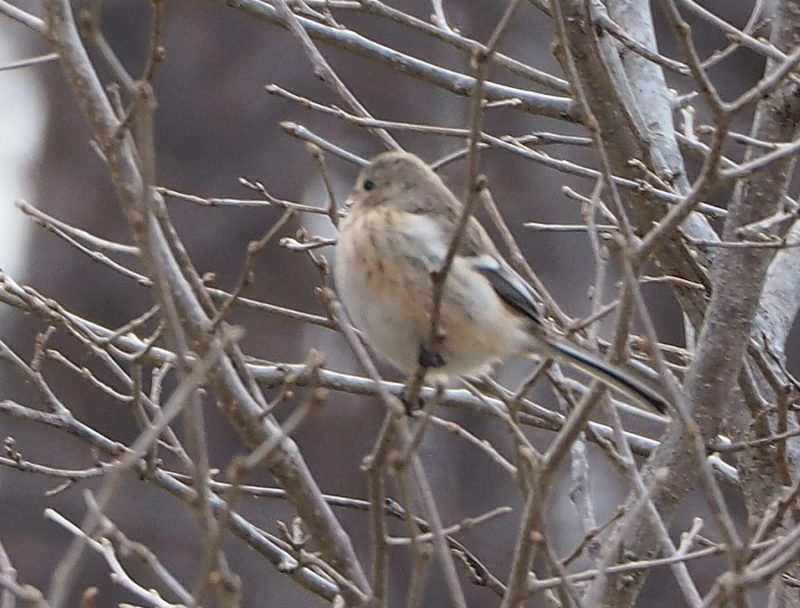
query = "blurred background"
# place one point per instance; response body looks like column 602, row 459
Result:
column 215, row 123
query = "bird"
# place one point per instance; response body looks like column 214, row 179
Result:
column 400, row 222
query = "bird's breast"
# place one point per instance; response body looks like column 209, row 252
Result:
column 383, row 276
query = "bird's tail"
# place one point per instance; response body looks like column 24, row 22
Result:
column 628, row 381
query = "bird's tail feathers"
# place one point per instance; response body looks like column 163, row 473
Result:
column 629, row 381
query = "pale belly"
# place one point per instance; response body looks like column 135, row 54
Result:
column 391, row 303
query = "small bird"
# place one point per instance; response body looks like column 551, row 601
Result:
column 401, row 220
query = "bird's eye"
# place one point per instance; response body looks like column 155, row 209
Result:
column 368, row 184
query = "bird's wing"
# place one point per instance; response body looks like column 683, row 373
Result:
column 477, row 248
column 486, row 259
column 509, row 286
